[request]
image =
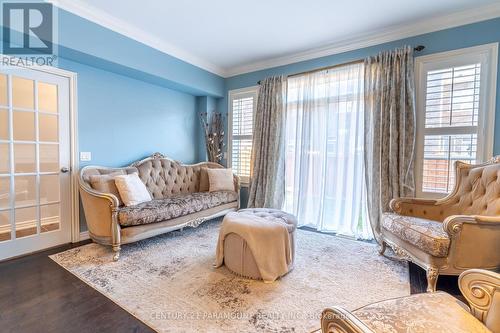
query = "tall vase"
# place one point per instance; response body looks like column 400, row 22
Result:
column 213, row 126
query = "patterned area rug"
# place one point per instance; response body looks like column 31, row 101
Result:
column 168, row 282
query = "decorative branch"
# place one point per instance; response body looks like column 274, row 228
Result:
column 213, row 128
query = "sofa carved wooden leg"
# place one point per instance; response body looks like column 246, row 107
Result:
column 432, row 277
column 115, row 236
column 116, row 250
column 382, row 247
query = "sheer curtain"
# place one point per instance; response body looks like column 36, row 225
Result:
column 324, row 151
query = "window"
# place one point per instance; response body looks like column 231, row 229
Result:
column 455, row 111
column 242, row 104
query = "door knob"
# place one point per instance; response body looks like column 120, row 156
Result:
column 64, row 169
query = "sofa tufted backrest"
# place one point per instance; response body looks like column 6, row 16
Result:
column 477, row 191
column 165, row 177
column 91, row 171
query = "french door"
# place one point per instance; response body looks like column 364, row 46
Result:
column 35, row 195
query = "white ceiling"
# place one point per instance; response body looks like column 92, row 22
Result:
column 229, row 37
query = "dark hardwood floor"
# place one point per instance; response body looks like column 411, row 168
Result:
column 37, row 295
column 418, row 282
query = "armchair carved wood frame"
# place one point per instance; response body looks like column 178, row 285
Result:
column 434, row 312
column 453, row 234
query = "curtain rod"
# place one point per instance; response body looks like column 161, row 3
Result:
column 416, row 48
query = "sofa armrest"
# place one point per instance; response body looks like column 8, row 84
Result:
column 339, row 320
column 99, row 208
column 454, row 224
column 237, row 187
column 479, row 288
column 475, row 241
column 110, row 197
column 236, row 181
column 414, row 207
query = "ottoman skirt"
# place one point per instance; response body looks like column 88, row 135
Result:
column 238, row 256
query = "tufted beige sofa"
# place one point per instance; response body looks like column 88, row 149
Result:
column 180, row 199
column 453, row 234
column 428, row 312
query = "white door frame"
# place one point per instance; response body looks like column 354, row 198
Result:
column 73, row 130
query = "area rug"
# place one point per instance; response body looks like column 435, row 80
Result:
column 168, row 282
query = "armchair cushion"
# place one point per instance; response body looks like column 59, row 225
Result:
column 164, row 209
column 430, row 312
column 427, row 235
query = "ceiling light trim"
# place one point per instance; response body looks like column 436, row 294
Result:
column 386, row 35
column 117, row 25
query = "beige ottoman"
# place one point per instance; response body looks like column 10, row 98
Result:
column 237, row 255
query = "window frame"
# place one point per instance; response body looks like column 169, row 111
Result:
column 253, row 92
column 487, row 55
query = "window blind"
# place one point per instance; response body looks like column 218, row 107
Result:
column 453, row 96
column 241, row 134
column 451, row 124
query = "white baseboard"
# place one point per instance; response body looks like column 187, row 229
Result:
column 29, row 224
column 84, row 235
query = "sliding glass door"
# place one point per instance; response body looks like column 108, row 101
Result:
column 324, row 151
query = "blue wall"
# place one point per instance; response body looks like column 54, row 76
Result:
column 117, row 74
column 133, row 100
column 151, row 96
column 121, row 119
column 86, row 42
column 440, row 41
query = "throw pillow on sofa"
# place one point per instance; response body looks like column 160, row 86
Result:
column 132, row 189
column 106, row 184
column 204, row 183
column 220, row 180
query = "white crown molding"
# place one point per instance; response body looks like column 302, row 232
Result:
column 356, row 42
column 375, row 38
column 108, row 21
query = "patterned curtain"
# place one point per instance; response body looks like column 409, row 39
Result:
column 267, row 183
column 389, row 130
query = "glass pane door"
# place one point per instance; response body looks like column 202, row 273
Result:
column 34, row 148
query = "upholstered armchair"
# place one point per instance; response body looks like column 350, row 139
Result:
column 428, row 312
column 453, row 234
